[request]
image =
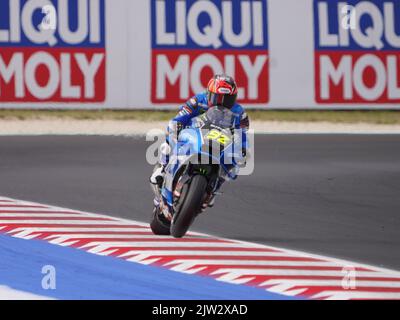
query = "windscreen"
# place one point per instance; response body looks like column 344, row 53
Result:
column 221, row 117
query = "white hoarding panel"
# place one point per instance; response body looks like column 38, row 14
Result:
column 155, row 54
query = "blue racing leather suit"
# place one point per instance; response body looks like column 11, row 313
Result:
column 199, row 105
column 194, row 107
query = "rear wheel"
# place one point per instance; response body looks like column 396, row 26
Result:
column 190, row 207
column 158, row 226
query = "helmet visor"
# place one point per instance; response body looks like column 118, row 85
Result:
column 224, row 100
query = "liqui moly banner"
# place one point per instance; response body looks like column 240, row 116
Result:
column 192, row 40
column 357, row 51
column 52, row 51
column 155, row 54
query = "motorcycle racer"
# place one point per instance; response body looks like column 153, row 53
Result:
column 222, row 92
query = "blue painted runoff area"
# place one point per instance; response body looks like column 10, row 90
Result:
column 82, row 275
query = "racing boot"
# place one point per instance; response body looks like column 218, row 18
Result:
column 157, row 177
column 211, row 202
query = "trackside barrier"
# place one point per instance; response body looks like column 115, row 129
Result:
column 306, row 54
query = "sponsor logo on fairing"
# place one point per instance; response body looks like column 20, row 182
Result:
column 52, row 50
column 193, row 40
column 357, row 56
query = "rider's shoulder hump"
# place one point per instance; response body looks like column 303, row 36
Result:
column 238, row 109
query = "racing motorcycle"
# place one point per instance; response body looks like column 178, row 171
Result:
column 204, row 154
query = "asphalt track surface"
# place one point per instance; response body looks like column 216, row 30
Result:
column 336, row 195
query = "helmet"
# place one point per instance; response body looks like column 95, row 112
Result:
column 222, row 91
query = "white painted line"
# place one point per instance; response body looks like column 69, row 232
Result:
column 7, row 293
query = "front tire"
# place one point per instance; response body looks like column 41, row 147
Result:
column 191, row 206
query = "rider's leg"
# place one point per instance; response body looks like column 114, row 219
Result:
column 221, row 180
column 157, row 177
column 174, row 128
column 211, row 200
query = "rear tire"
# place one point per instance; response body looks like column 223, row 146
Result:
column 159, row 227
column 191, row 206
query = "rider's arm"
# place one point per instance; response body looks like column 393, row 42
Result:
column 186, row 112
column 244, row 125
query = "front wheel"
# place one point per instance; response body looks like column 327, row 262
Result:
column 190, row 207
